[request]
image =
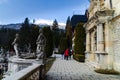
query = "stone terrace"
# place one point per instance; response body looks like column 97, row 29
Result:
column 73, row 70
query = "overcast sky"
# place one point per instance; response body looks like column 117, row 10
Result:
column 15, row 11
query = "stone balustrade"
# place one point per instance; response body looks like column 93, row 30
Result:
column 33, row 72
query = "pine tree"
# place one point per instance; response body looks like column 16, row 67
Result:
column 7, row 36
column 25, row 33
column 69, row 32
column 34, row 35
column 49, row 41
column 68, row 23
column 55, row 25
column 63, row 44
column 55, row 30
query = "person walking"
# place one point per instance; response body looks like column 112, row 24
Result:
column 70, row 53
column 66, row 53
column 62, row 53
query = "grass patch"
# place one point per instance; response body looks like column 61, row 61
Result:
column 105, row 71
column 49, row 63
column 1, row 76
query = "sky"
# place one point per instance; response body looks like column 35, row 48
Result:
column 43, row 11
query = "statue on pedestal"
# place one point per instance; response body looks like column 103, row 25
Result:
column 15, row 43
column 41, row 41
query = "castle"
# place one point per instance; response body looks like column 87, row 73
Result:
column 102, row 34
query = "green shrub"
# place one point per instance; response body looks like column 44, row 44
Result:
column 1, row 77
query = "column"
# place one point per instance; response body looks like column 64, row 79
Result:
column 88, row 42
column 100, row 40
column 87, row 52
column 93, row 45
column 102, row 57
column 108, row 45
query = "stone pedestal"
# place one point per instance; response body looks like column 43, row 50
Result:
column 103, row 61
column 101, row 58
column 97, row 59
column 16, row 64
column 87, row 56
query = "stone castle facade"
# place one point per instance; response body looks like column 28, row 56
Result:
column 102, row 34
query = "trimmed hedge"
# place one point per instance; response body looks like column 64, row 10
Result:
column 79, row 41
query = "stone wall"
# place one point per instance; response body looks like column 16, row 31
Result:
column 107, row 4
column 106, row 17
column 116, row 37
column 116, row 45
column 116, row 7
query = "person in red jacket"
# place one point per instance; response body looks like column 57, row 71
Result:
column 66, row 53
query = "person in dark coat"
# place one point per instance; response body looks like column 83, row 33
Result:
column 62, row 53
column 70, row 53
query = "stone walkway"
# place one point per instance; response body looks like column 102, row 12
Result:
column 73, row 70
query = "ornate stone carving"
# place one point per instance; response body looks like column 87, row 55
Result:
column 15, row 44
column 41, row 42
column 104, row 13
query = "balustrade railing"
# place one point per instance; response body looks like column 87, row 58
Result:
column 33, row 72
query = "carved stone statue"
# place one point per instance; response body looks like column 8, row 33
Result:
column 15, row 44
column 41, row 41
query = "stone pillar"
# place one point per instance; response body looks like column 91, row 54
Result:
column 93, row 45
column 88, row 42
column 87, row 52
column 101, row 55
column 12, row 68
column 100, row 40
column 109, row 45
column 97, row 37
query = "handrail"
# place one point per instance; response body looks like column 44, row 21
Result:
column 31, row 72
